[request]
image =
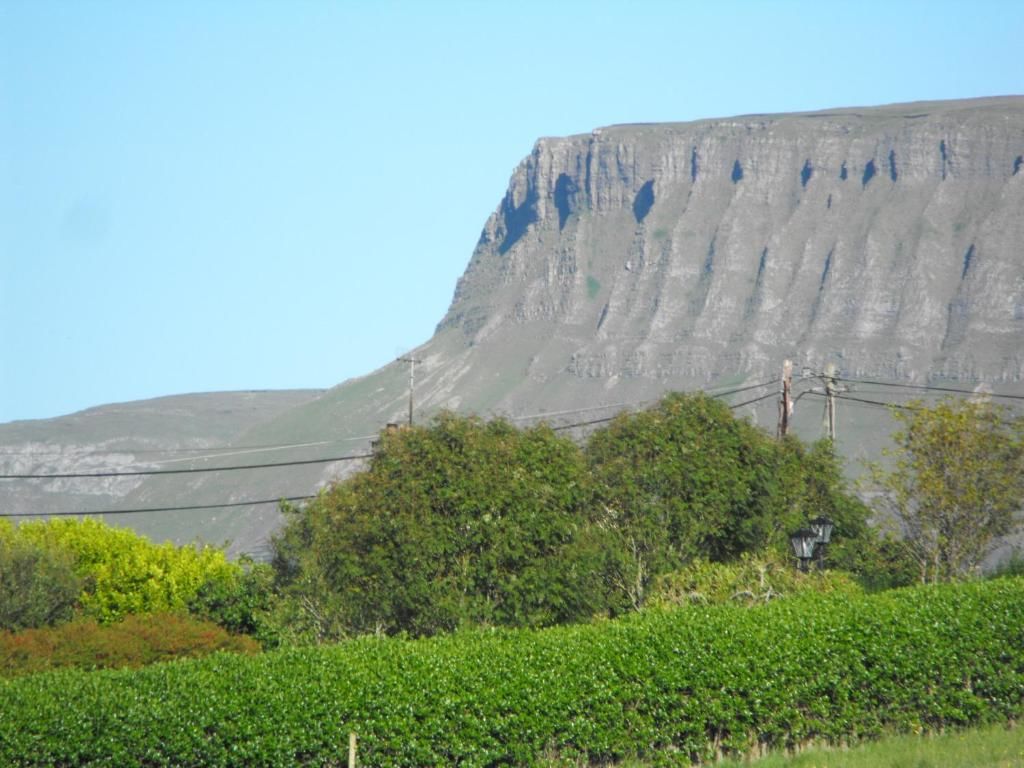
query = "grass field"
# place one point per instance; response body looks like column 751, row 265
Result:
column 993, row 747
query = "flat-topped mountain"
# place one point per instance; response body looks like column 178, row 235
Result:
column 638, row 259
column 889, row 241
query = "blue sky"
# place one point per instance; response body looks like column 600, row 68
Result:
column 200, row 196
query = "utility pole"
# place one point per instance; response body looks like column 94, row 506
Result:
column 830, row 400
column 786, row 402
column 412, row 379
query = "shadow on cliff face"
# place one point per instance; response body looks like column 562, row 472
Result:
column 644, row 201
column 517, row 219
column 565, row 198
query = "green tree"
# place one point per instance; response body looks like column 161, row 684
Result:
column 239, row 599
column 38, row 583
column 687, row 479
column 457, row 522
column 955, row 483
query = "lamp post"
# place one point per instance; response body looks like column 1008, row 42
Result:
column 823, row 528
column 804, row 542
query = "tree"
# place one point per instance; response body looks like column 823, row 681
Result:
column 38, row 583
column 458, row 522
column 954, row 484
column 687, row 479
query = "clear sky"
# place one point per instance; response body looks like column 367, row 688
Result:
column 217, row 195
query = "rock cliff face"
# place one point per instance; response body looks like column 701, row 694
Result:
column 889, row 241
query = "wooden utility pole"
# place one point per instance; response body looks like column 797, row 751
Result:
column 830, row 400
column 786, row 402
column 412, row 379
column 352, row 750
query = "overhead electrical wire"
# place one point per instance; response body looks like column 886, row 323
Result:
column 605, row 420
column 634, row 403
column 208, row 449
column 755, row 400
column 720, row 394
column 188, row 471
column 930, row 388
column 850, row 398
column 888, row 405
column 549, row 414
column 746, row 389
column 193, row 507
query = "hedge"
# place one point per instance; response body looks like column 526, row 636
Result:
column 134, row 642
column 669, row 687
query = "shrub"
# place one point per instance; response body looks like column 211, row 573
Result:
column 241, row 600
column 670, row 687
column 751, row 580
column 124, row 572
column 38, row 583
column 134, row 642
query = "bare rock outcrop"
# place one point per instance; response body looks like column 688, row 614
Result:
column 887, row 240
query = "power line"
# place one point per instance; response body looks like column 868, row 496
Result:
column 745, row 389
column 862, row 400
column 162, row 451
column 710, row 393
column 580, row 410
column 157, row 509
column 189, row 471
column 931, row 388
column 585, row 423
column 755, row 400
column 243, row 451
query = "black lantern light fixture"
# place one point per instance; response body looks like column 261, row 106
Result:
column 823, row 527
column 804, row 543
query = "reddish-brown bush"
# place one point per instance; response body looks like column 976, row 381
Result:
column 134, row 642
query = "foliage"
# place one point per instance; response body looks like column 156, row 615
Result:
column 667, row 687
column 241, row 600
column 751, row 580
column 136, row 641
column 38, row 583
column 457, row 522
column 463, row 522
column 687, row 479
column 126, row 573
column 956, row 481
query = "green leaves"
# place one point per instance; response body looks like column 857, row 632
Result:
column 38, row 583
column 665, row 686
column 121, row 572
column 465, row 522
column 956, row 480
column 461, row 522
column 687, row 479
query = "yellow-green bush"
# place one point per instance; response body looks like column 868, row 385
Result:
column 126, row 573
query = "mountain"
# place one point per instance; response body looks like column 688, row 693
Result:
column 162, row 433
column 637, row 259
